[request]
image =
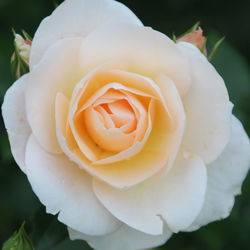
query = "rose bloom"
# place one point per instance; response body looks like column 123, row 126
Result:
column 128, row 136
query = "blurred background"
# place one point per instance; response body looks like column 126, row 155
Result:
column 218, row 18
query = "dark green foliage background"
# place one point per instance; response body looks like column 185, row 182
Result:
column 219, row 18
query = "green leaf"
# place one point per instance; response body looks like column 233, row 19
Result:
column 19, row 241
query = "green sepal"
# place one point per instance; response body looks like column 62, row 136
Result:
column 203, row 46
column 18, row 66
column 19, row 241
column 27, row 36
column 174, row 38
column 192, row 29
column 215, row 48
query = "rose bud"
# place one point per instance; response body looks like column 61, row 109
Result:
column 196, row 38
column 23, row 47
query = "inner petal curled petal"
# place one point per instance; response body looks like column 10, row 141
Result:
column 112, row 139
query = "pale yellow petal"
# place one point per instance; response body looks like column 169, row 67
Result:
column 146, row 51
column 56, row 72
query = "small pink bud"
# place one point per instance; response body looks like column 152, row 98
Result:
column 196, row 38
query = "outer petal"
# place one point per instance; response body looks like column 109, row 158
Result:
column 207, row 106
column 147, row 52
column 83, row 16
column 57, row 72
column 177, row 197
column 65, row 189
column 225, row 177
column 125, row 238
column 14, row 115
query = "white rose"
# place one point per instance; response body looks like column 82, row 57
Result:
column 128, row 136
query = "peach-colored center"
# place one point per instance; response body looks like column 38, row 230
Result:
column 116, row 113
column 114, row 120
column 119, row 126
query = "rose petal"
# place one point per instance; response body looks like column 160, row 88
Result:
column 124, row 238
column 208, row 109
column 105, row 117
column 126, row 82
column 92, row 88
column 138, row 145
column 112, row 139
column 96, row 86
column 141, row 115
column 225, row 177
column 160, row 148
column 65, row 189
column 14, row 115
column 177, row 196
column 123, row 114
column 147, row 52
column 83, row 16
column 119, row 174
column 85, row 99
column 57, row 72
column 174, row 104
